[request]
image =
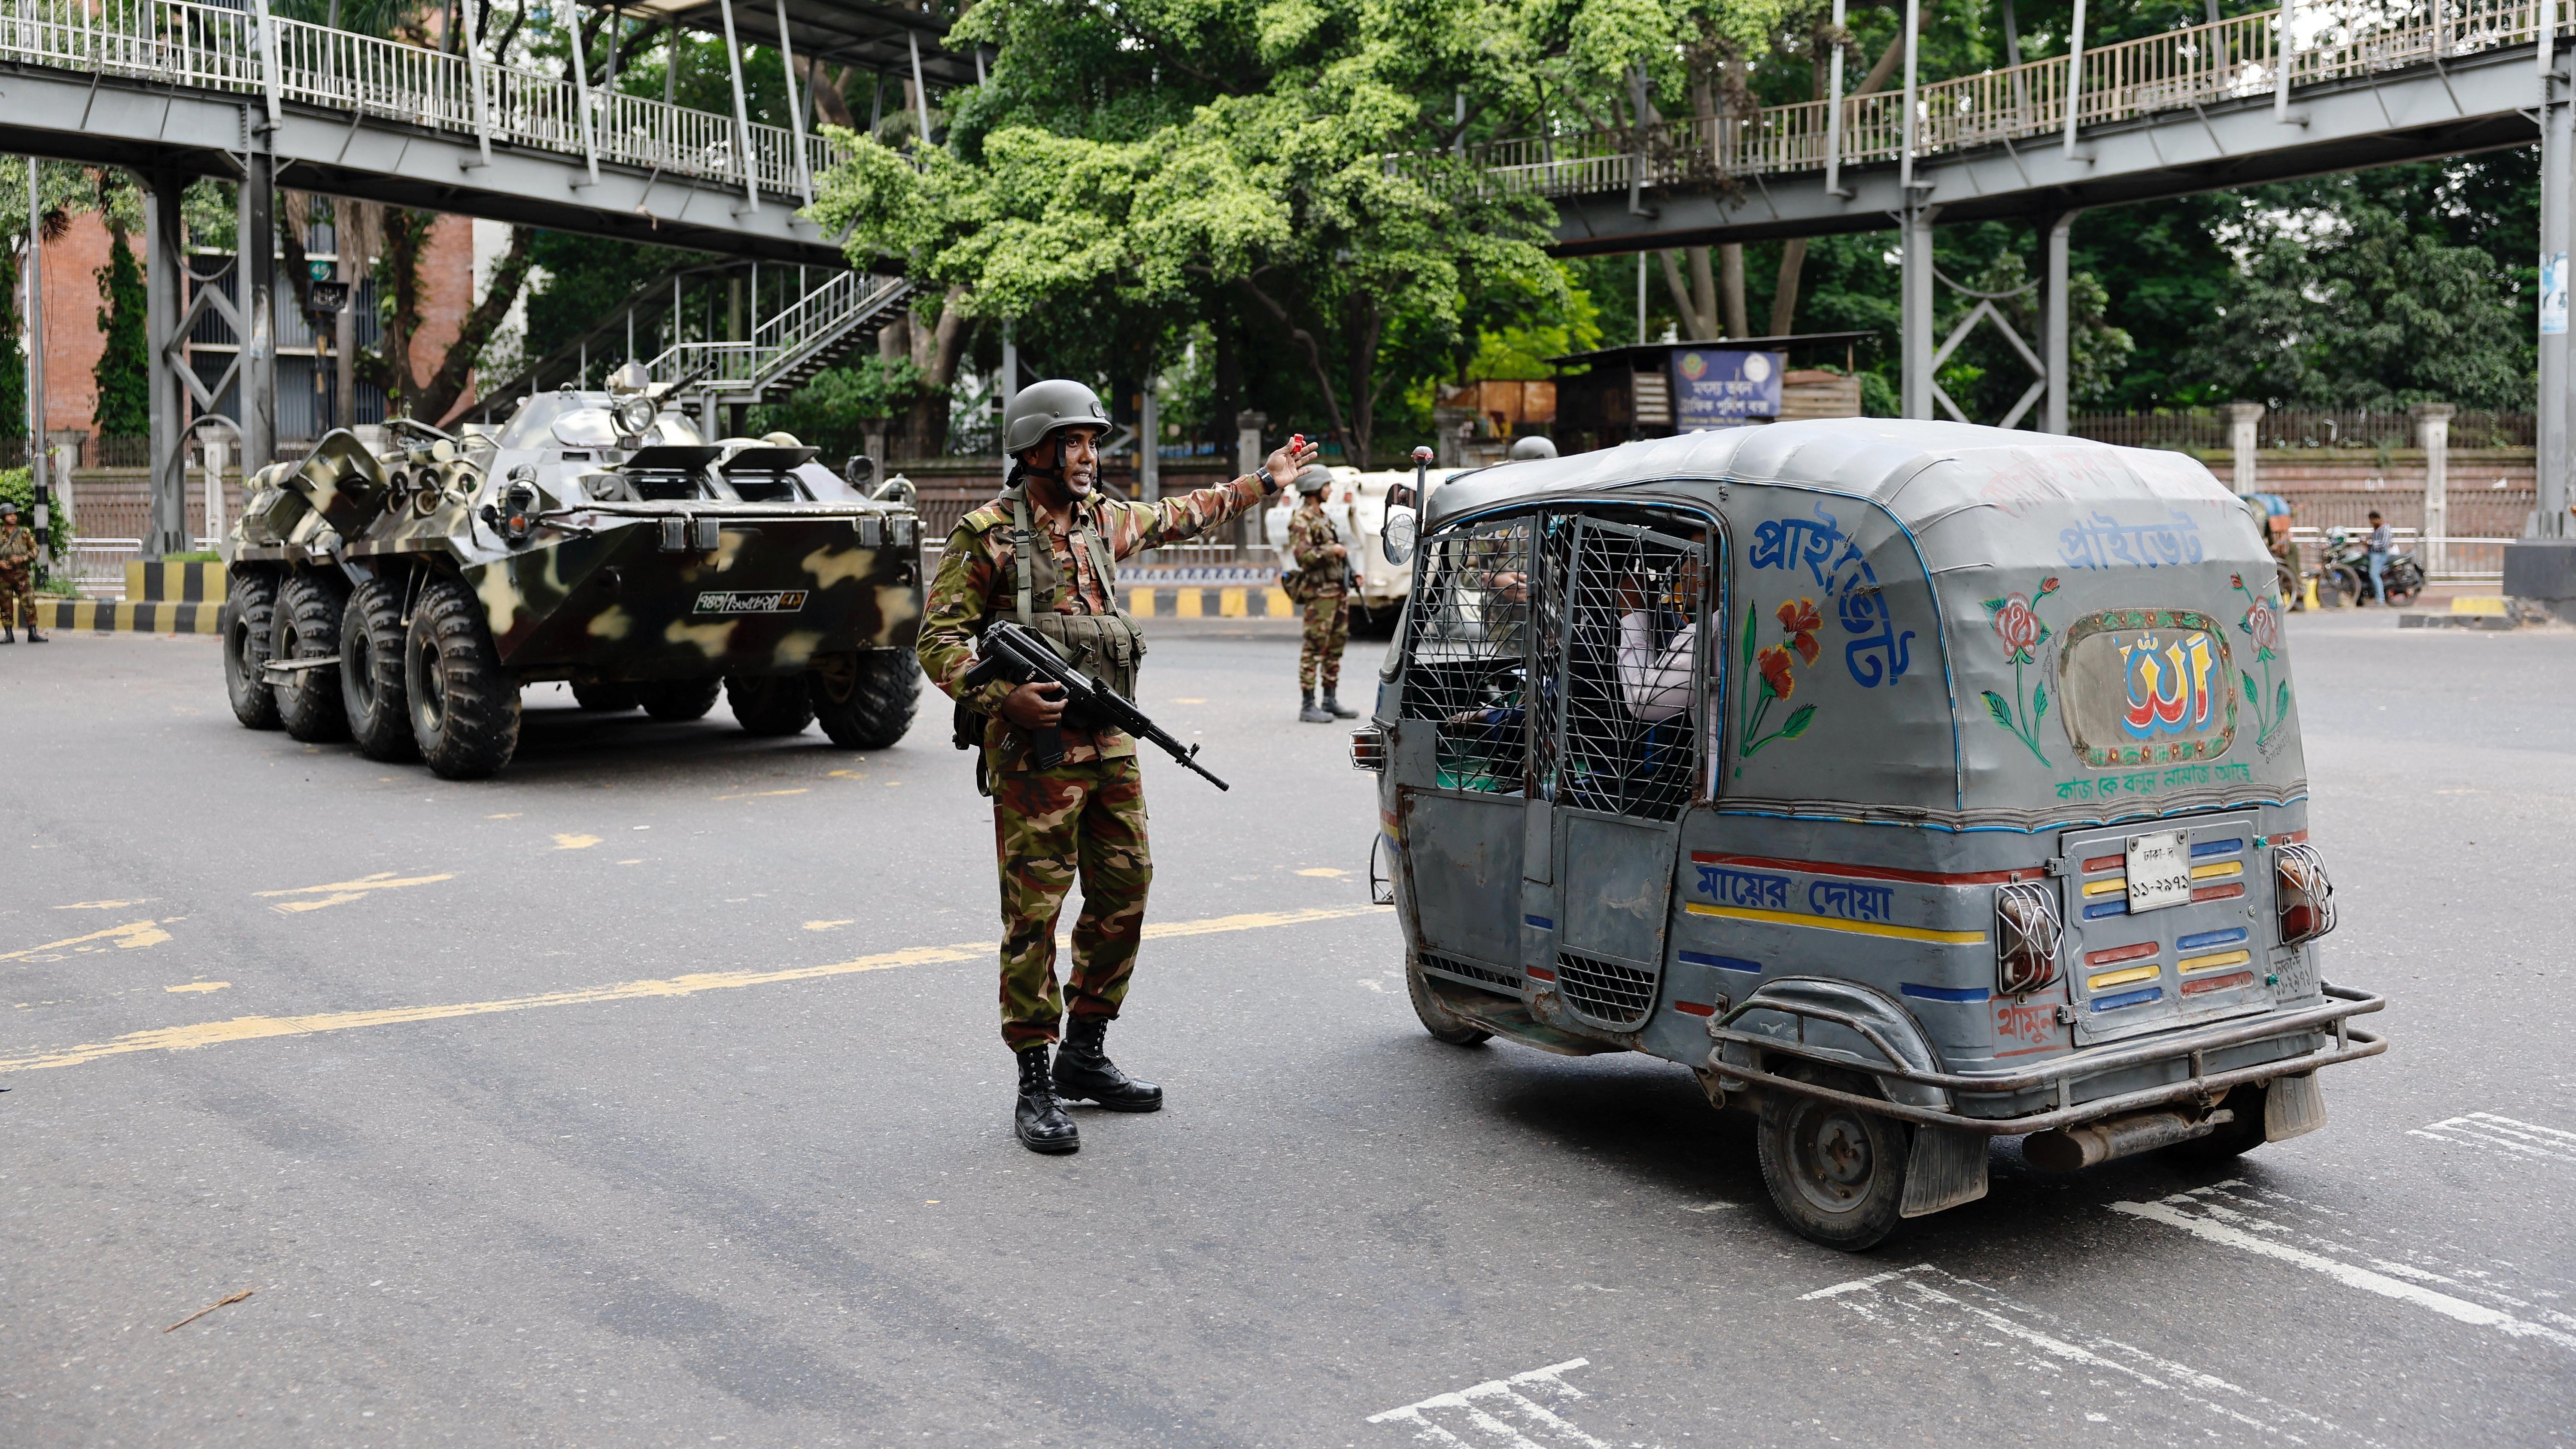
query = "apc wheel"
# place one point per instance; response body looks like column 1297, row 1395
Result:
column 677, row 701
column 1836, row 1173
column 865, row 701
column 1440, row 1021
column 309, row 609
column 249, row 615
column 2231, row 1139
column 371, row 673
column 770, row 704
column 605, row 698
column 464, row 705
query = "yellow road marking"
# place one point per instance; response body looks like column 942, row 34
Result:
column 259, row 1028
column 827, row 925
column 343, row 892
column 200, row 986
column 1836, row 923
column 1325, row 871
column 1185, row 701
column 575, row 842
column 513, row 815
column 129, row 936
column 845, row 774
column 102, row 905
column 763, row 794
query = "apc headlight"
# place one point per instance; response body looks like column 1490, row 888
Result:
column 635, row 416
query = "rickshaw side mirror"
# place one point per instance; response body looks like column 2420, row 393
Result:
column 1395, row 538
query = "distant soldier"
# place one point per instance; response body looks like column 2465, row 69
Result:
column 1323, row 565
column 17, row 582
column 1044, row 554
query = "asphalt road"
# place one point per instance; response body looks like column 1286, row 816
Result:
column 652, row 1095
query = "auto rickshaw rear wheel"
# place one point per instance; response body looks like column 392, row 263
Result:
column 1836, row 1172
column 1440, row 1021
column 2230, row 1139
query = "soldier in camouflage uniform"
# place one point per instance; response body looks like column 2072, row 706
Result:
column 1044, row 553
column 1323, row 566
column 17, row 584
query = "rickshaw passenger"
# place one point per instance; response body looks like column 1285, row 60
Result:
column 1655, row 681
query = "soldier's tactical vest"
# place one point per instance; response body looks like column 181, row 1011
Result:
column 1106, row 647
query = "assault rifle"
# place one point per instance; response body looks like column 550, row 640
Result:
column 1015, row 655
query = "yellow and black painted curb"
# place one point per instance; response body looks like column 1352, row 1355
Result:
column 199, row 581
column 1200, row 601
column 143, row 616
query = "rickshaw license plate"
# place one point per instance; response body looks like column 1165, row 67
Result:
column 2159, row 871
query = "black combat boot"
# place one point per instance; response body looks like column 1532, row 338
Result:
column 1307, row 713
column 8, row 635
column 1040, row 1119
column 32, row 636
column 1333, row 706
column 1084, row 1072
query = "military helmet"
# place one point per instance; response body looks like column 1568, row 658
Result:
column 8, row 506
column 1315, row 479
column 1533, row 446
column 1042, row 407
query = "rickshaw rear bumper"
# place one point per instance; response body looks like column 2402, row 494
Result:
column 2320, row 1035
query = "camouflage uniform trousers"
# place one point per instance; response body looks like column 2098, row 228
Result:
column 1328, row 629
column 17, row 599
column 1079, row 820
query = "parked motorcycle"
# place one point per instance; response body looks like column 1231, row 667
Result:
column 2343, row 575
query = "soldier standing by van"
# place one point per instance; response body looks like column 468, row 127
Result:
column 1044, row 553
column 1323, row 569
column 17, row 583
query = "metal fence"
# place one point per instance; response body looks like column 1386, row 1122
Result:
column 2385, row 428
column 2184, row 69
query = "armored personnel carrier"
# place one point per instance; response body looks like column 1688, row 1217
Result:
column 401, row 600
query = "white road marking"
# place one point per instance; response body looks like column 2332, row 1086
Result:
column 1943, row 1310
column 1495, row 1413
column 2285, row 1229
column 2525, row 1141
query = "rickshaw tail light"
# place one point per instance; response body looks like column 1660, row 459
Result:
column 2302, row 894
column 2028, row 935
column 1368, row 748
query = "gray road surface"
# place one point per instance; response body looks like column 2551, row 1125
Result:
column 652, row 1095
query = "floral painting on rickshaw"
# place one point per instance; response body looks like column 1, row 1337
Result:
column 2015, row 619
column 2261, row 623
column 1769, row 673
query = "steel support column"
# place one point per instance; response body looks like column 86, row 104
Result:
column 164, row 260
column 1916, row 323
column 2557, row 148
column 34, row 280
column 741, row 112
column 256, row 234
column 2054, row 345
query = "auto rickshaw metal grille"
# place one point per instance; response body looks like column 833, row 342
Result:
column 1605, row 990
column 1472, row 971
column 1467, row 665
column 1634, row 681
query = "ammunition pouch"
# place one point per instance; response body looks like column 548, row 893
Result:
column 1105, row 648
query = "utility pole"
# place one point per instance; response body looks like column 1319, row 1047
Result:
column 36, row 347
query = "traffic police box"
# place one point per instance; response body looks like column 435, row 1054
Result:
column 1656, row 389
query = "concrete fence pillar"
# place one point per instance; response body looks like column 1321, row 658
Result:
column 2433, row 435
column 1247, row 458
column 2241, row 418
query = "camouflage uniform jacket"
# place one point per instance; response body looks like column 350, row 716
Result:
column 17, row 549
column 978, row 580
column 1311, row 542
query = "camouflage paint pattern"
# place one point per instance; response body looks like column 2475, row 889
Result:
column 1081, row 822
column 1328, row 629
column 978, row 580
column 17, row 583
column 596, row 592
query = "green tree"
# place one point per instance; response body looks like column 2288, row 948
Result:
column 123, row 372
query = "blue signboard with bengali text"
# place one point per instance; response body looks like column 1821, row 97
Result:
column 1715, row 388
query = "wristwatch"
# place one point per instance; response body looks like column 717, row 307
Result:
column 1269, row 485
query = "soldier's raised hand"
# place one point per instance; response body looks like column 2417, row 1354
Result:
column 1291, row 459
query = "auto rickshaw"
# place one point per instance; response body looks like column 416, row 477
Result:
column 1915, row 784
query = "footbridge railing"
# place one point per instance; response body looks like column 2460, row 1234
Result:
column 2233, row 60
column 245, row 51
